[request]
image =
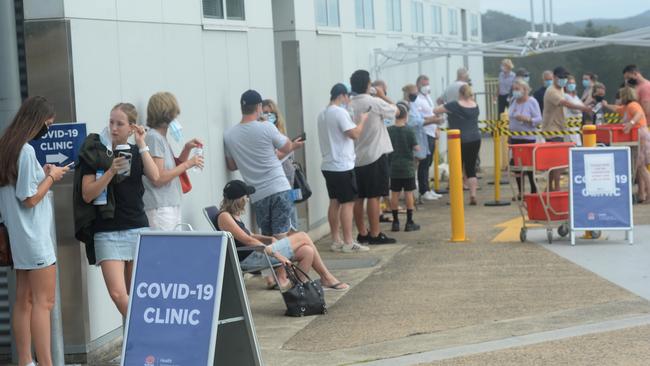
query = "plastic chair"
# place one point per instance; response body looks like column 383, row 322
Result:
column 211, row 213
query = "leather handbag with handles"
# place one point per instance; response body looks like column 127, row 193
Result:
column 305, row 297
column 5, row 249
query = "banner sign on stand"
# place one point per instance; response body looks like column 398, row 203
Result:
column 600, row 189
column 188, row 303
column 60, row 145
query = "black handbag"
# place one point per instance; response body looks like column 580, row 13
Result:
column 300, row 182
column 304, row 298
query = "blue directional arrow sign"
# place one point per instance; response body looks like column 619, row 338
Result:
column 60, row 146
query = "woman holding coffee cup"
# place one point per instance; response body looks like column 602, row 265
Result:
column 116, row 235
column 162, row 197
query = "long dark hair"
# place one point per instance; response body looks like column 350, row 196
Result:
column 28, row 121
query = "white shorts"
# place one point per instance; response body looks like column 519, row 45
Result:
column 164, row 218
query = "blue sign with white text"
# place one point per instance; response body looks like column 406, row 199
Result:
column 61, row 143
column 175, row 298
column 601, row 189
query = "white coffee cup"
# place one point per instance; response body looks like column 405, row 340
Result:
column 124, row 151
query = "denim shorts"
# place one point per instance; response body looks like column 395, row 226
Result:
column 257, row 260
column 273, row 213
column 117, row 245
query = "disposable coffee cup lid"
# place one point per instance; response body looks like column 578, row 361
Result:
column 123, row 147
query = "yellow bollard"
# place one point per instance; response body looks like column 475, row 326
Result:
column 588, row 140
column 589, row 135
column 497, row 165
column 456, row 186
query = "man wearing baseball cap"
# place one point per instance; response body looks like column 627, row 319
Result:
column 336, row 135
column 250, row 146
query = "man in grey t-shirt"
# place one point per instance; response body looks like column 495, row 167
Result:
column 250, row 146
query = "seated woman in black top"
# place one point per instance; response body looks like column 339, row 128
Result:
column 297, row 246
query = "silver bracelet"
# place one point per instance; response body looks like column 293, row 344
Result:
column 144, row 149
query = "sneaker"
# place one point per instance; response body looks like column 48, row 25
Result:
column 381, row 239
column 435, row 194
column 336, row 247
column 395, row 226
column 429, row 196
column 411, row 226
column 354, row 248
column 363, row 238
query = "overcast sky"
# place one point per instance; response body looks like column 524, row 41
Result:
column 569, row 10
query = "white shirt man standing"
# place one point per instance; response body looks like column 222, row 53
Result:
column 336, row 135
column 424, row 105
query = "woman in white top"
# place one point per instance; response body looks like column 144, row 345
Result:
column 162, row 198
column 27, row 213
column 573, row 115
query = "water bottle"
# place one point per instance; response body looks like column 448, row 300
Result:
column 101, row 199
column 198, row 151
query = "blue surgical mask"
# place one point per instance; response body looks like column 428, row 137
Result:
column 562, row 82
column 548, row 83
column 271, row 117
column 176, row 130
column 571, row 87
column 527, row 79
column 586, row 83
column 517, row 94
column 344, row 106
column 106, row 139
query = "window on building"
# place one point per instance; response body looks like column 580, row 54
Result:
column 232, row 9
column 453, row 22
column 474, row 25
column 417, row 16
column 365, row 14
column 436, row 19
column 327, row 13
column 394, row 15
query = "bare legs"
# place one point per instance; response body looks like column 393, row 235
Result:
column 35, row 291
column 373, row 216
column 117, row 275
column 308, row 257
column 341, row 215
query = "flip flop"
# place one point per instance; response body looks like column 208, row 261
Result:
column 272, row 286
column 335, row 287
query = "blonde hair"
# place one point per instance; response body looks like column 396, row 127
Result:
column 162, row 109
column 407, row 88
column 508, row 62
column 234, row 207
column 466, row 91
column 522, row 83
column 628, row 95
column 129, row 110
column 280, row 124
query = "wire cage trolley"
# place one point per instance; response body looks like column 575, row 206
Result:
column 550, row 208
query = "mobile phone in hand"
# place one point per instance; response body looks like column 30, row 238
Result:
column 69, row 165
column 302, row 136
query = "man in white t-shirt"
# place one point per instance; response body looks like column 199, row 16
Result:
column 336, row 135
column 371, row 162
column 250, row 146
column 424, row 105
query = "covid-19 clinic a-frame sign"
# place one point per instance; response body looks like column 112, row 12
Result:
column 600, row 190
column 188, row 304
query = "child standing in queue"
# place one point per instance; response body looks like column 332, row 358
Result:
column 402, row 168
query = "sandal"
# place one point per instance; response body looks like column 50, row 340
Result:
column 336, row 287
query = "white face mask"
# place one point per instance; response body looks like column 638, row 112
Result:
column 425, row 89
column 106, row 139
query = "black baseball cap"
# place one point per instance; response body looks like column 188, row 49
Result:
column 338, row 89
column 561, row 72
column 237, row 189
column 250, row 97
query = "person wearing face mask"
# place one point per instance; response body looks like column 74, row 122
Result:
column 547, row 80
column 597, row 115
column 633, row 116
column 589, row 79
column 162, row 197
column 635, row 79
column 524, row 116
column 272, row 114
column 118, row 219
column 506, row 78
column 571, row 94
column 424, row 105
column 553, row 115
column 26, row 211
column 251, row 146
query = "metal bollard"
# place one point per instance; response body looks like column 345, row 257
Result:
column 497, row 168
column 456, row 186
